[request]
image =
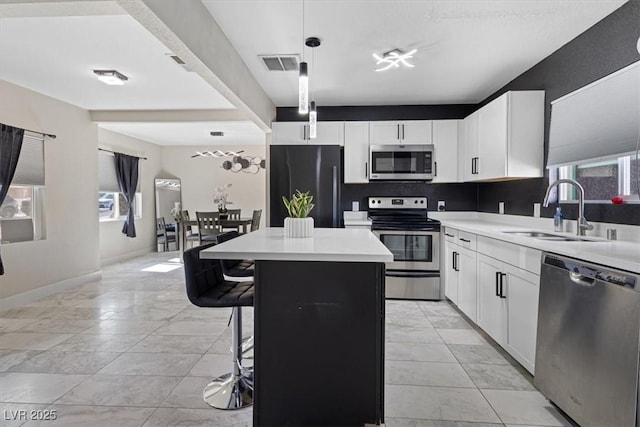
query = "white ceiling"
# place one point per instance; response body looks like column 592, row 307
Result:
column 466, row 50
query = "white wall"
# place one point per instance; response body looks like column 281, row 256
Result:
column 201, row 175
column 71, row 160
column 114, row 245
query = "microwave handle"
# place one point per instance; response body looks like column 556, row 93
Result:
column 435, row 167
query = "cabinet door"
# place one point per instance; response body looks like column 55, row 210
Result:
column 416, row 132
column 492, row 139
column 381, row 133
column 289, row 133
column 467, row 281
column 328, row 133
column 470, row 147
column 492, row 308
column 450, row 273
column 356, row 152
column 522, row 292
column 445, row 141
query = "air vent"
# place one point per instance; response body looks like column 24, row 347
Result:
column 280, row 62
column 180, row 62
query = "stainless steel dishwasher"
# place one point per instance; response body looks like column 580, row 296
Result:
column 587, row 352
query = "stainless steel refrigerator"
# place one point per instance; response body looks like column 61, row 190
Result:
column 313, row 168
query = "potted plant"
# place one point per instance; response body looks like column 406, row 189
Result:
column 298, row 223
column 220, row 198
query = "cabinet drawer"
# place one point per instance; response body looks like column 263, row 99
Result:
column 450, row 235
column 520, row 256
column 467, row 240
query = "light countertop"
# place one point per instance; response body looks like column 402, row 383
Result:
column 327, row 244
column 624, row 255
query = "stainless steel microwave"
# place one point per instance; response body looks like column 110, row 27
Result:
column 401, row 162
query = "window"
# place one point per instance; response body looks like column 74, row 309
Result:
column 22, row 212
column 111, row 203
column 601, row 180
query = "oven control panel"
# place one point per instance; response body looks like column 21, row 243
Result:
column 397, row 203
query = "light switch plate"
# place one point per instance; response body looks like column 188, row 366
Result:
column 355, row 206
column 441, row 206
column 501, row 207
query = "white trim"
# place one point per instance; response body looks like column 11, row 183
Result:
column 127, row 256
column 28, row 297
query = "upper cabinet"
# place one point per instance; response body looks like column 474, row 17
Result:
column 356, row 152
column 445, row 142
column 504, row 139
column 297, row 133
column 401, row 133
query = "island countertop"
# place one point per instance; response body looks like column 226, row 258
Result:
column 327, row 244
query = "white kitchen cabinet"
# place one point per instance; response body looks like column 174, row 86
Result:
column 407, row 132
column 508, row 298
column 470, row 147
column 297, row 133
column 450, row 276
column 508, row 138
column 356, row 152
column 467, row 282
column 445, row 142
column 492, row 306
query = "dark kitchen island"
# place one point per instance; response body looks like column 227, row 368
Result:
column 318, row 325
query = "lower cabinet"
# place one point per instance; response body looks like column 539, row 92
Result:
column 499, row 295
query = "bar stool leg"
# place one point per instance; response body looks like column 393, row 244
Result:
column 233, row 390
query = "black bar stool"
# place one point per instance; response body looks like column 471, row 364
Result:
column 206, row 287
column 235, row 267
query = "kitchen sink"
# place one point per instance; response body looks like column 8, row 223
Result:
column 547, row 236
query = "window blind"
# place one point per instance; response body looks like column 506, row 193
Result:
column 107, row 180
column 598, row 121
column 30, row 168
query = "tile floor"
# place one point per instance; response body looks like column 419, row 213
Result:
column 131, row 350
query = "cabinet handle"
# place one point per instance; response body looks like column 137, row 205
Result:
column 304, row 132
column 366, row 169
column 455, row 261
column 502, row 275
column 402, row 131
column 448, row 235
column 473, row 166
column 497, row 283
column 398, row 131
column 477, row 168
column 435, row 166
column 465, row 240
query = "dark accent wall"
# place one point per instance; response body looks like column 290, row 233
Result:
column 380, row 112
column 601, row 50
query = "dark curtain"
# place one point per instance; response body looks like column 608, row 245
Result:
column 10, row 146
column 127, row 174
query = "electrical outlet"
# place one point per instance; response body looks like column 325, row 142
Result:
column 441, row 206
column 536, row 210
column 501, row 207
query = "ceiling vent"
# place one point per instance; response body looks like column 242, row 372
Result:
column 180, row 62
column 280, row 62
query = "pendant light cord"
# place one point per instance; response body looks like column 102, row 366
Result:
column 303, row 31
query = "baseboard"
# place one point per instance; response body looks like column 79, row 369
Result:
column 33, row 295
column 126, row 257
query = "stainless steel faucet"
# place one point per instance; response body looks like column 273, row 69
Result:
column 582, row 224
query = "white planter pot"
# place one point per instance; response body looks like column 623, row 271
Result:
column 298, row 227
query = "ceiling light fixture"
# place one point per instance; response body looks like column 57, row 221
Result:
column 217, row 153
column 394, row 58
column 111, row 77
column 313, row 42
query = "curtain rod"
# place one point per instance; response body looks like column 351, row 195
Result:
column 114, row 152
column 49, row 135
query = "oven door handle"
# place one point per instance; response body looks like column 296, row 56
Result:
column 395, row 273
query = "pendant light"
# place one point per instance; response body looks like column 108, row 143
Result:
column 303, row 79
column 313, row 42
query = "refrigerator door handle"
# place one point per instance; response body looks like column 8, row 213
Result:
column 334, row 172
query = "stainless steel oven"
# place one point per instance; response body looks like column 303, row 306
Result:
column 401, row 162
column 403, row 227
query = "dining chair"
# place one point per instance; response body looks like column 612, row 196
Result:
column 233, row 213
column 255, row 219
column 164, row 236
column 190, row 236
column 208, row 226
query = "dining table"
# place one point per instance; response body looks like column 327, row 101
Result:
column 237, row 223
